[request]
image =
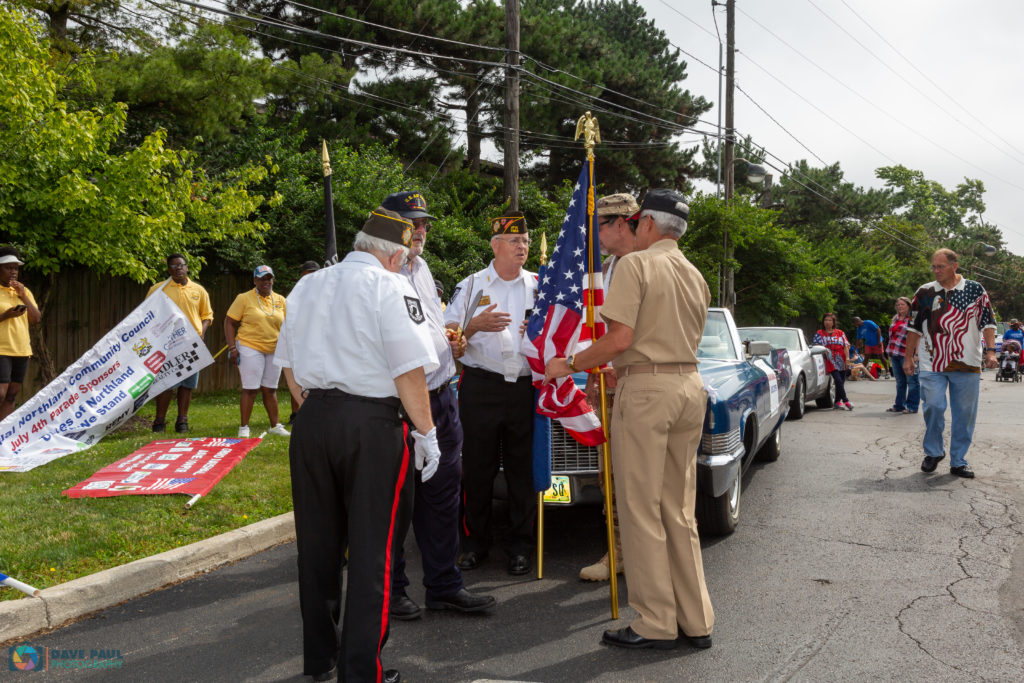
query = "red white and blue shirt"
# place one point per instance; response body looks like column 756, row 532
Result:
column 950, row 322
column 835, row 343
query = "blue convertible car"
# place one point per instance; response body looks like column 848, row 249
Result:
column 748, row 398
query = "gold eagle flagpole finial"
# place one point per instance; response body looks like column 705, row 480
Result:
column 587, row 126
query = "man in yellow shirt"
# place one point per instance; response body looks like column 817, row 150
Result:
column 194, row 302
column 17, row 310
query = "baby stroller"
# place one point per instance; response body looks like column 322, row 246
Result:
column 1009, row 363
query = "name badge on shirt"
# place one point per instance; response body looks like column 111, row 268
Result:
column 485, row 300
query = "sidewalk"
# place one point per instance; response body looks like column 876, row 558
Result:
column 59, row 605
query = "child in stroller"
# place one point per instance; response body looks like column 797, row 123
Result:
column 1009, row 362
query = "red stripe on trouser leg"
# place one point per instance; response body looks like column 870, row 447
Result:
column 387, row 555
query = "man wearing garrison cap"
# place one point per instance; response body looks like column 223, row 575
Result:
column 355, row 339
column 496, row 394
column 615, row 231
column 655, row 310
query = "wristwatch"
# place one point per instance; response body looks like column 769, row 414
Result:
column 990, row 348
column 571, row 360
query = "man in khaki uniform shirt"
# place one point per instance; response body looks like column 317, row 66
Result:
column 615, row 230
column 655, row 309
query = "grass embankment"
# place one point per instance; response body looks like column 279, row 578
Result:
column 47, row 538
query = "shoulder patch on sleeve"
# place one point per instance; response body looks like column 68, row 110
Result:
column 412, row 304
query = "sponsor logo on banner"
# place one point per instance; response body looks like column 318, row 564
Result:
column 142, row 347
column 103, row 388
column 155, row 362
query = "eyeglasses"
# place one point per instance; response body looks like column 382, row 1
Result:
column 941, row 267
column 522, row 241
column 421, row 223
column 611, row 219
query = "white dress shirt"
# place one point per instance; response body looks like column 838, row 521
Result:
column 418, row 274
column 495, row 351
column 354, row 326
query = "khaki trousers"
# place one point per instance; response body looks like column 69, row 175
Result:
column 656, row 428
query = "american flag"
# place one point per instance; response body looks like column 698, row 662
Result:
column 556, row 329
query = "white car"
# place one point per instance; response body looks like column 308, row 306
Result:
column 810, row 381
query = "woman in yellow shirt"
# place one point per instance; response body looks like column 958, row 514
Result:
column 17, row 310
column 251, row 328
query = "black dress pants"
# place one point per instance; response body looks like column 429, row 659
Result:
column 348, row 461
column 497, row 420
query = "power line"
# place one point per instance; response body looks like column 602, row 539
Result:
column 910, row 83
column 937, row 86
column 878, row 108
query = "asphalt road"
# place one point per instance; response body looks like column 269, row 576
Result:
column 849, row 565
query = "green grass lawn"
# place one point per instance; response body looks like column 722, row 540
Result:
column 47, row 538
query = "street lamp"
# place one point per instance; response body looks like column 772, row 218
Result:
column 986, row 249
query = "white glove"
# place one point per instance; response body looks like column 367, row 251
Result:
column 428, row 453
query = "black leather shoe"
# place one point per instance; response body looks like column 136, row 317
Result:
column 463, row 601
column 403, row 608
column 181, row 426
column 699, row 642
column 518, row 565
column 471, row 560
column 329, row 675
column 627, row 637
column 159, row 426
column 392, row 676
column 929, row 463
column 964, row 471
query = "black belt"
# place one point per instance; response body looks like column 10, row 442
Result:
column 440, row 390
column 390, row 401
column 480, row 372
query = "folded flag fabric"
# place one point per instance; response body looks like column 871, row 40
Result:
column 556, row 329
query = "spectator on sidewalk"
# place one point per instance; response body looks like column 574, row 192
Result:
column 908, row 388
column 837, row 356
column 19, row 309
column 869, row 336
column 251, row 328
column 194, row 302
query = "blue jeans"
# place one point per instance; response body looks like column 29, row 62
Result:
column 963, row 402
column 908, row 387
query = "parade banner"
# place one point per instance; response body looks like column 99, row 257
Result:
column 191, row 466
column 151, row 350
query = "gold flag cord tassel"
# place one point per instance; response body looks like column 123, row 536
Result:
column 587, row 126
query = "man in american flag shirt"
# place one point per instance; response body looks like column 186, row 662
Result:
column 946, row 318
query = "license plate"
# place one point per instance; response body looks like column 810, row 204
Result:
column 560, row 491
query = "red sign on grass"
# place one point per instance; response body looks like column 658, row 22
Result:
column 191, row 466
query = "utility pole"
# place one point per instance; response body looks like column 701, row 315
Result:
column 728, row 296
column 512, row 103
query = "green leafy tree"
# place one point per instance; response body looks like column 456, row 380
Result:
column 66, row 199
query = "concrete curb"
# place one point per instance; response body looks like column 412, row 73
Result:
column 58, row 605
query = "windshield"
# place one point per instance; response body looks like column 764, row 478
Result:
column 717, row 340
column 778, row 337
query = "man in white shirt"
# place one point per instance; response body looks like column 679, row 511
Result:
column 356, row 340
column 496, row 395
column 435, row 503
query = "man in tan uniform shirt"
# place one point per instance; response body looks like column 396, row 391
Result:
column 655, row 310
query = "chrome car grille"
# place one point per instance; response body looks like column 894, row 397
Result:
column 719, row 444
column 568, row 454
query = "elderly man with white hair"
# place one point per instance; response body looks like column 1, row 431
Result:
column 655, row 310
column 355, row 341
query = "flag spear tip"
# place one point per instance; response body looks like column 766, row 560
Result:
column 325, row 160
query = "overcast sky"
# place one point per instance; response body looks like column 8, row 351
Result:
column 950, row 106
